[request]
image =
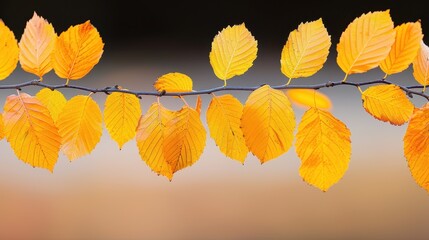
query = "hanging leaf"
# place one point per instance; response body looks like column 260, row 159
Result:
column 233, row 52
column 306, row 50
column 223, row 119
column 31, row 132
column 173, row 82
column 404, row 50
column 387, row 103
column 184, row 139
column 416, row 146
column 121, row 116
column 365, row 42
column 307, row 98
column 80, row 126
column 9, row 51
column 150, row 139
column 54, row 100
column 421, row 65
column 1, row 127
column 198, row 104
column 36, row 46
column 77, row 51
column 268, row 123
column 324, row 147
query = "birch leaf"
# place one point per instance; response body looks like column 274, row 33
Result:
column 268, row 123
column 223, row 120
column 307, row 98
column 324, row 147
column 36, row 46
column 9, row 51
column 173, row 82
column 421, row 65
column 80, row 126
column 54, row 100
column 31, row 132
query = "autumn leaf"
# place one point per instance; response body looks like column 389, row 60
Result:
column 306, row 50
column 121, row 116
column 198, row 104
column 324, row 147
column 36, row 46
column 421, row 65
column 1, row 126
column 233, row 52
column 224, row 120
column 365, row 42
column 307, row 98
column 31, row 132
column 184, row 139
column 268, row 123
column 150, row 139
column 80, row 126
column 9, row 51
column 405, row 48
column 387, row 103
column 173, row 82
column 416, row 146
column 54, row 100
column 77, row 51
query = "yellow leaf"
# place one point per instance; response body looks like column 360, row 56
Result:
column 306, row 50
column 77, row 51
column 233, row 51
column 324, row 147
column 31, row 132
column 366, row 42
column 268, row 123
column 184, row 139
column 9, row 51
column 198, row 104
column 307, row 98
column 173, row 82
column 36, row 46
column 80, row 126
column 150, row 139
column 1, row 127
column 121, row 115
column 224, row 120
column 421, row 65
column 404, row 50
column 387, row 103
column 54, row 100
column 416, row 146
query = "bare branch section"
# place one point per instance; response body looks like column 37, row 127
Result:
column 409, row 90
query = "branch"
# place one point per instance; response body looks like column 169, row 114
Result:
column 107, row 90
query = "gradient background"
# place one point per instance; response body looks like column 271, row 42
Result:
column 112, row 194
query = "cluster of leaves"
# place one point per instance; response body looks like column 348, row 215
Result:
column 39, row 127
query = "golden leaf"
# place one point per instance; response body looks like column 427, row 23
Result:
column 366, row 42
column 224, row 120
column 268, row 123
column 324, row 147
column 80, row 126
column 421, row 65
column 387, row 103
column 9, row 51
column 121, row 116
column 416, row 146
column 307, row 98
column 150, row 139
column 54, row 100
column 306, row 50
column 173, row 82
column 184, row 139
column 36, row 46
column 1, row 127
column 77, row 51
column 31, row 132
column 233, row 51
column 405, row 48
column 198, row 104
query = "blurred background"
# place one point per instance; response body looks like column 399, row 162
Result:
column 112, row 193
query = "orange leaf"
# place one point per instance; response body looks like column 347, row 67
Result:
column 307, row 98
column 198, row 104
column 421, row 65
column 9, row 51
column 36, row 46
column 416, row 146
column 31, row 132
column 173, row 82
column 77, row 51
column 1, row 127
